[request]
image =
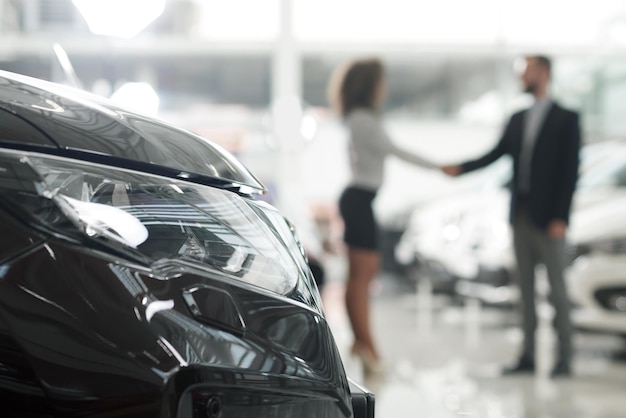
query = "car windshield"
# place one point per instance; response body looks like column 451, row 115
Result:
column 156, row 218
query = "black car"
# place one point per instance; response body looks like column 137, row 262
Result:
column 140, row 275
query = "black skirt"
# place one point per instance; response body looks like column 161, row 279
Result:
column 360, row 228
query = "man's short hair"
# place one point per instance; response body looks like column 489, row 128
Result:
column 543, row 61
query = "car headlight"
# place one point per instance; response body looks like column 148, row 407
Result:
column 609, row 246
column 155, row 220
column 612, row 299
column 451, row 232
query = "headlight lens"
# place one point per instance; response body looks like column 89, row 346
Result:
column 609, row 246
column 154, row 218
column 612, row 299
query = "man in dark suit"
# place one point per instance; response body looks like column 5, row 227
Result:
column 544, row 143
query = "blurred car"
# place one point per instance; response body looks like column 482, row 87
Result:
column 597, row 277
column 140, row 276
column 397, row 250
column 602, row 182
column 440, row 240
column 465, row 240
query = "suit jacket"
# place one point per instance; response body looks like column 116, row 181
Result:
column 554, row 164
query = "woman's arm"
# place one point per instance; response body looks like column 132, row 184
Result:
column 411, row 157
column 370, row 129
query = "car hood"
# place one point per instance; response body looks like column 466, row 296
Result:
column 79, row 124
column 602, row 221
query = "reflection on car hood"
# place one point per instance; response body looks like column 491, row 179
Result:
column 76, row 121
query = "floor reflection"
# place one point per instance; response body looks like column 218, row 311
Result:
column 445, row 359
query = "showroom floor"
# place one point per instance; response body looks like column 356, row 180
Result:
column 445, row 359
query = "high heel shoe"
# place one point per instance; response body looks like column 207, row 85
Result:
column 372, row 366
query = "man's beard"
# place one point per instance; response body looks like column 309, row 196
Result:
column 530, row 88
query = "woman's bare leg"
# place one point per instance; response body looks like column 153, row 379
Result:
column 362, row 267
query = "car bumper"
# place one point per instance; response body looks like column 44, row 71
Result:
column 362, row 401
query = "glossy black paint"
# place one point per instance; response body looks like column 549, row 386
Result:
column 41, row 114
column 88, row 329
column 94, row 334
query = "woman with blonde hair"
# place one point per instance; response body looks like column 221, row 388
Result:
column 357, row 92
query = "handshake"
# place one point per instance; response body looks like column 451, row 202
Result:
column 451, row 170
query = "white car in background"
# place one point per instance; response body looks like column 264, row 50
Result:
column 436, row 240
column 597, row 277
column 466, row 239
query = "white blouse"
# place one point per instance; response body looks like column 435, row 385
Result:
column 369, row 144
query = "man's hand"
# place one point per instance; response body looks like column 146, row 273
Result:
column 451, row 170
column 557, row 229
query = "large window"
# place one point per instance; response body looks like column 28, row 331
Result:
column 461, row 22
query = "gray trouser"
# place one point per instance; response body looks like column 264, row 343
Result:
column 534, row 246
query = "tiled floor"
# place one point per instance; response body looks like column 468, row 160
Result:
column 445, row 359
